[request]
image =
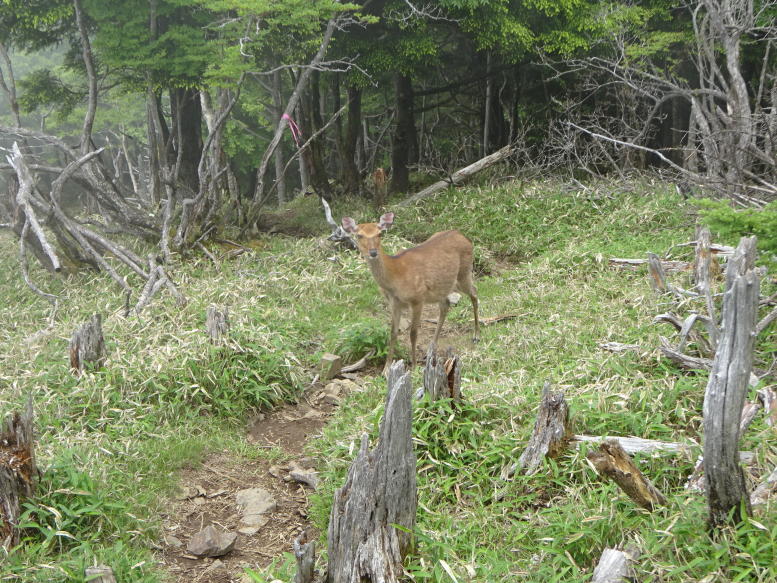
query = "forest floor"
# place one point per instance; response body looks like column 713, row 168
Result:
column 208, row 491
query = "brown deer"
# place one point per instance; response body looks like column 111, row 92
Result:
column 379, row 186
column 426, row 274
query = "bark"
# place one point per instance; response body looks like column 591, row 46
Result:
column 17, row 472
column 404, row 131
column 611, row 461
column 727, row 389
column 379, row 492
column 187, row 121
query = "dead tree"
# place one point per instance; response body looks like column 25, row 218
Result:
column 727, row 389
column 612, row 462
column 379, row 492
column 551, row 435
column 442, row 376
column 87, row 346
column 17, row 472
column 305, row 555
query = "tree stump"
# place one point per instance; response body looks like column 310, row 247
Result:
column 615, row 566
column 379, row 492
column 17, row 471
column 100, row 574
column 551, row 434
column 442, row 376
column 727, row 388
column 611, row 461
column 704, row 266
column 657, row 274
column 305, row 555
column 216, row 323
column 87, row 346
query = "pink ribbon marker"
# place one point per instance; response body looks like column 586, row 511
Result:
column 296, row 133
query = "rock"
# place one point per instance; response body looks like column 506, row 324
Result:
column 215, row 566
column 306, row 477
column 308, row 462
column 210, row 542
column 173, row 541
column 253, row 504
column 330, row 367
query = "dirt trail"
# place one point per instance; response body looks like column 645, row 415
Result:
column 209, row 491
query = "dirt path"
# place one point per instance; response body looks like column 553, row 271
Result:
column 209, row 491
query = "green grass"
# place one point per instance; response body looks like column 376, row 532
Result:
column 110, row 442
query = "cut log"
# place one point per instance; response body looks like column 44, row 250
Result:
column 100, row 574
column 611, row 461
column 87, row 346
column 551, row 433
column 17, row 472
column 216, row 323
column 442, row 376
column 615, row 566
column 459, row 176
column 305, row 555
column 727, row 388
column 379, row 493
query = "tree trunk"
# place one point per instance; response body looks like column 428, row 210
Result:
column 351, row 179
column 277, row 100
column 187, row 119
column 379, row 492
column 727, row 389
column 403, row 134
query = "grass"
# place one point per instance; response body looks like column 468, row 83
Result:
column 111, row 441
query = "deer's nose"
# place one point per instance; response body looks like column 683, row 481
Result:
column 373, row 253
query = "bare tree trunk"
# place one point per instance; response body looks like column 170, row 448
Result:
column 403, row 134
column 277, row 100
column 727, row 389
column 379, row 492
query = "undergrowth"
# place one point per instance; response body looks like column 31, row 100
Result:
column 111, row 441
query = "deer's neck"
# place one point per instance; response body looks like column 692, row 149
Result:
column 381, row 270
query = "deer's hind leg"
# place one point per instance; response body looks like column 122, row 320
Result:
column 467, row 286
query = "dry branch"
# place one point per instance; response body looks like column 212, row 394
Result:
column 668, row 266
column 613, row 462
column 459, row 176
column 764, row 490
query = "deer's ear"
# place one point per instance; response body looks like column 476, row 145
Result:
column 386, row 221
column 349, row 225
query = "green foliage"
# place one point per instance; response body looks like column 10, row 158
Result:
column 360, row 338
column 732, row 223
column 44, row 89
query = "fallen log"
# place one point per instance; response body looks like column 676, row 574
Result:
column 611, row 461
column 459, row 176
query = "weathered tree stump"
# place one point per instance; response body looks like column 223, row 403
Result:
column 87, row 346
column 657, row 275
column 551, row 434
column 216, row 323
column 612, row 462
column 442, row 376
column 305, row 555
column 379, row 492
column 727, row 389
column 17, row 471
column 100, row 574
column 615, row 566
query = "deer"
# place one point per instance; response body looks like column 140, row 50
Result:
column 426, row 274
